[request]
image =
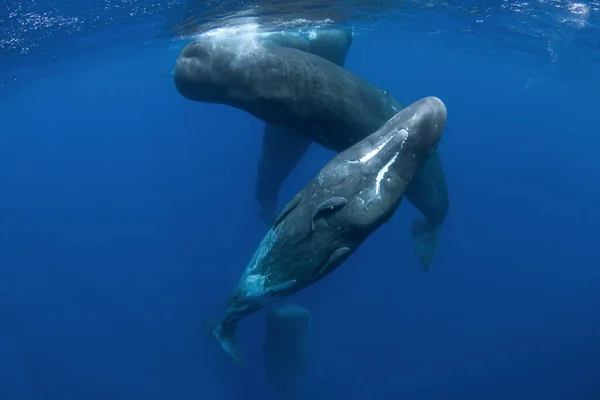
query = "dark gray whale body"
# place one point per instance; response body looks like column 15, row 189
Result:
column 286, row 348
column 308, row 241
column 324, row 101
column 283, row 147
column 428, row 189
column 303, row 98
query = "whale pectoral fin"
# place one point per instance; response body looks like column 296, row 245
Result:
column 335, row 259
column 282, row 149
column 426, row 242
column 281, row 287
column 260, row 300
column 257, row 298
column 245, row 307
column 331, row 204
column 289, row 207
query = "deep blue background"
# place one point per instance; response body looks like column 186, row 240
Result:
column 127, row 216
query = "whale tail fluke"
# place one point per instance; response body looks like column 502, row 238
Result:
column 224, row 333
column 426, row 242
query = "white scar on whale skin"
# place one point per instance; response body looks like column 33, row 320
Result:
column 386, row 167
column 372, row 153
column 382, row 172
column 377, row 149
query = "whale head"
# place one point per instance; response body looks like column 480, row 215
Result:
column 214, row 67
column 196, row 72
column 374, row 174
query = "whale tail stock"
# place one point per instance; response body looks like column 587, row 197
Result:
column 224, row 333
column 426, row 242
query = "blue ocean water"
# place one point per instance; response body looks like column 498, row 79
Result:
column 128, row 212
